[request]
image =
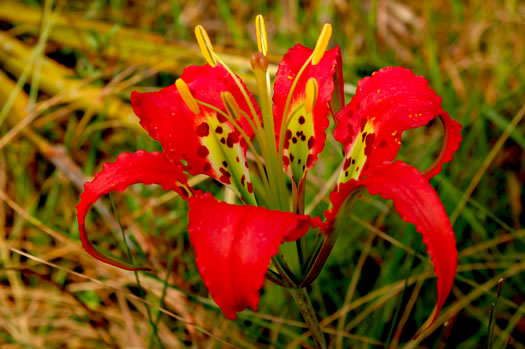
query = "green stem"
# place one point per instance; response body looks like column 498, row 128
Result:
column 329, row 238
column 141, row 291
column 300, row 296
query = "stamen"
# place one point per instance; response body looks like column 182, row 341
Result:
column 186, row 96
column 312, row 91
column 242, row 88
column 205, row 45
column 322, row 43
column 262, row 40
column 231, row 105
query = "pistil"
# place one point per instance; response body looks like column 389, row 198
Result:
column 260, row 68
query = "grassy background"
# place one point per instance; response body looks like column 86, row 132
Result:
column 66, row 73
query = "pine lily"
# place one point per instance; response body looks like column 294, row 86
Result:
column 209, row 123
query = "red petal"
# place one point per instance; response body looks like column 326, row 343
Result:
column 306, row 139
column 234, row 245
column 417, row 203
column 451, row 139
column 201, row 140
column 139, row 167
column 387, row 103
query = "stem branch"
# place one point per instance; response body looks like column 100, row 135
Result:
column 300, row 296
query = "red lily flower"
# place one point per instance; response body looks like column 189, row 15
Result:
column 208, row 121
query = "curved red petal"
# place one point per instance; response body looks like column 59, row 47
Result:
column 128, row 169
column 392, row 100
column 206, row 141
column 451, row 139
column 416, row 202
column 234, row 245
column 305, row 137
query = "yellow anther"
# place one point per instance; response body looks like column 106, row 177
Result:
column 205, row 45
column 232, row 108
column 262, row 40
column 322, row 43
column 312, row 91
column 186, row 96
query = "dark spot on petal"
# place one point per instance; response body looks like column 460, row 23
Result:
column 203, row 151
column 221, row 118
column 223, row 140
column 225, row 164
column 353, row 161
column 363, row 136
column 286, row 161
column 292, row 157
column 369, row 143
column 218, row 130
column 294, row 140
column 346, row 173
column 250, row 187
column 233, row 138
column 207, row 167
column 383, row 144
column 362, row 123
column 299, row 161
column 287, row 137
column 303, row 138
column 243, row 178
column 203, row 129
column 347, row 163
column 243, row 143
column 225, row 178
column 301, row 120
column 311, row 142
column 237, row 158
column 183, row 192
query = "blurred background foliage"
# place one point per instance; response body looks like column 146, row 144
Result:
column 66, row 72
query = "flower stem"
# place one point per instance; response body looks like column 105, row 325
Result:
column 300, row 296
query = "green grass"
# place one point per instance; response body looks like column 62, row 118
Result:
column 66, row 73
